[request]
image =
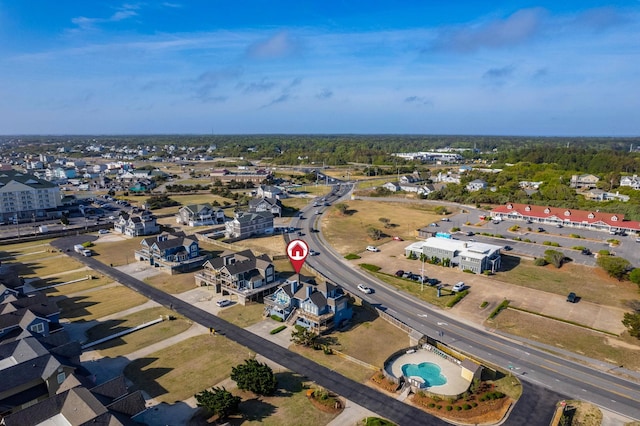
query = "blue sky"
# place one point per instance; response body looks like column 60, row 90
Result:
column 267, row 66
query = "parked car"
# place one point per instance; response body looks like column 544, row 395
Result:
column 434, row 225
column 363, row 288
column 399, row 273
column 586, row 252
column 314, row 230
column 396, row 238
column 445, row 219
column 572, row 298
column 407, row 274
column 469, row 234
column 508, row 248
column 540, row 229
column 103, row 231
column 558, row 226
column 458, row 287
column 373, row 249
column 223, row 302
column 433, row 281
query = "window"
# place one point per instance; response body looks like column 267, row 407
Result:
column 60, row 377
column 38, row 328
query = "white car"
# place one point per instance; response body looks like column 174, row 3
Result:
column 363, row 288
column 103, row 231
column 373, row 248
column 458, row 287
column 223, row 302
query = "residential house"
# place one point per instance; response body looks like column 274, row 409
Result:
column 242, row 274
column 137, row 225
column 200, row 215
column 476, row 185
column 448, row 178
column 35, row 313
column 247, row 224
column 317, row 307
column 272, row 205
column 270, row 191
column 467, row 255
column 11, row 284
column 78, row 401
column 586, row 181
column 600, row 195
column 392, row 186
column 582, row 219
column 171, row 252
column 31, row 373
column 227, row 176
column 631, row 181
column 142, row 185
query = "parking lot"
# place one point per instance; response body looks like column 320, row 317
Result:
column 392, row 258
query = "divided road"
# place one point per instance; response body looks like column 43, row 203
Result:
column 541, row 369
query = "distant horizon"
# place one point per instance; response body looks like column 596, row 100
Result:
column 530, row 68
column 77, row 135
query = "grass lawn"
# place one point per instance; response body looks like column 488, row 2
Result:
column 370, row 339
column 173, row 284
column 428, row 294
column 11, row 250
column 336, row 363
column 575, row 339
column 598, row 288
column 296, row 203
column 273, row 245
column 99, row 281
column 99, row 303
column 348, row 233
column 47, row 266
column 138, row 339
column 180, row 371
column 367, row 182
column 286, row 408
column 117, row 253
column 243, row 316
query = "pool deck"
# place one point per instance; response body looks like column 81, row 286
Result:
column 455, row 383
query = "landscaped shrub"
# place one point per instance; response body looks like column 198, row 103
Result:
column 575, row 236
column 438, row 406
column 352, row 256
column 503, row 305
column 458, row 408
column 526, row 240
column 466, row 407
column 459, row 296
column 550, row 243
column 540, row 261
column 484, row 304
column 604, row 253
column 276, row 318
column 455, row 229
column 431, row 405
column 468, row 271
column 449, row 408
column 369, row 267
column 278, row 329
column 580, row 248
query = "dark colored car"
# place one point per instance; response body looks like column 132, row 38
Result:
column 399, row 273
column 586, row 252
column 572, row 298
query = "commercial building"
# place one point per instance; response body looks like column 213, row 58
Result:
column 467, row 255
column 582, row 219
column 24, row 196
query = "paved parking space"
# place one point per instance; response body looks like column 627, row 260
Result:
column 391, row 258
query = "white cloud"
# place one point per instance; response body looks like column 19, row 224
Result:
column 278, row 46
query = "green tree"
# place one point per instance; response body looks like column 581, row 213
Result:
column 342, row 208
column 254, row 376
column 554, row 257
column 616, row 267
column 218, row 401
column 385, row 221
column 632, row 322
column 302, row 336
column 634, row 276
column 374, row 233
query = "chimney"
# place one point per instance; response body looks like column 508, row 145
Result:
column 309, row 290
column 294, row 286
column 465, row 244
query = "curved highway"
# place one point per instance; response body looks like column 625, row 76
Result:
column 538, row 367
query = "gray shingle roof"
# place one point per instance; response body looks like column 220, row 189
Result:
column 7, row 176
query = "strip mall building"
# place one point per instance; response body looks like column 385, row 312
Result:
column 582, row 219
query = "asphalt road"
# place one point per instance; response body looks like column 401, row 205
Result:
column 396, row 411
column 543, row 371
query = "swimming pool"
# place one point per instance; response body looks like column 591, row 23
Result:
column 431, row 373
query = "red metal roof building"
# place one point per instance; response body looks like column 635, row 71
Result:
column 566, row 217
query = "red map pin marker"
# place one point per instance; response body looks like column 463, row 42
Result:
column 297, row 250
